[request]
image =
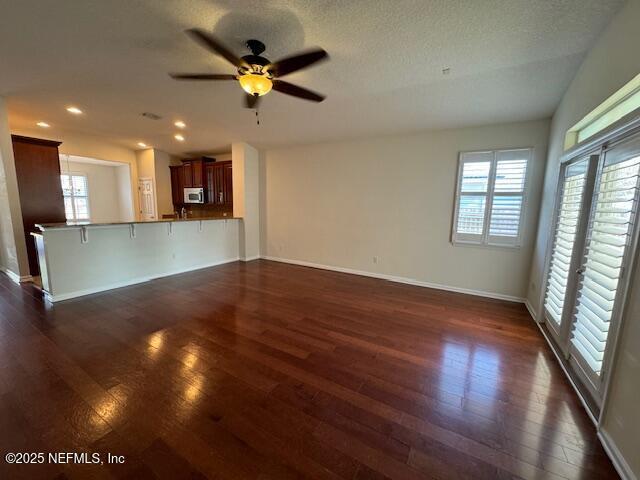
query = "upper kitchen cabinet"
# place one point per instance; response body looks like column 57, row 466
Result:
column 219, row 182
column 38, row 173
column 177, row 183
column 197, row 173
column 215, row 178
column 187, row 173
column 192, row 170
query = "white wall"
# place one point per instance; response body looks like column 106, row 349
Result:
column 111, row 258
column 246, row 197
column 222, row 157
column 104, row 190
column 162, row 161
column 13, row 247
column 341, row 204
column 125, row 196
column 612, row 62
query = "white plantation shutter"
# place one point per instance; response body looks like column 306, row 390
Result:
column 570, row 206
column 473, row 188
column 508, row 197
column 491, row 197
column 608, row 239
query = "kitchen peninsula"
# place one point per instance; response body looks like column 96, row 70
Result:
column 78, row 258
column 82, row 258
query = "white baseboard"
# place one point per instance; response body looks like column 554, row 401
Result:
column 397, row 279
column 17, row 278
column 134, row 281
column 620, row 464
column 250, row 259
column 531, row 310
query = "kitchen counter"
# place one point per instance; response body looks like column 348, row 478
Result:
column 50, row 226
column 80, row 258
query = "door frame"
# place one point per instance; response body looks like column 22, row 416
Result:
column 616, row 133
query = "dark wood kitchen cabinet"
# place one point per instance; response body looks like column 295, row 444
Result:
column 187, row 174
column 177, row 184
column 214, row 177
column 193, row 173
column 38, row 173
column 219, row 182
column 228, row 184
column 197, row 173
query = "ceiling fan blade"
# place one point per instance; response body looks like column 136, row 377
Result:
column 202, row 76
column 212, row 44
column 294, row 90
column 296, row 62
column 251, row 101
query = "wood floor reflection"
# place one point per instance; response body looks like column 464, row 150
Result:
column 272, row 371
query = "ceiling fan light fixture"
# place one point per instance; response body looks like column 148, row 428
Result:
column 256, row 84
column 256, row 74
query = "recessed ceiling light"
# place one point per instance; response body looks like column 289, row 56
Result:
column 142, row 145
column 179, row 137
column 74, row 110
column 43, row 124
column 180, row 124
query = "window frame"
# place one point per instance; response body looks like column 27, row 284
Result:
column 72, row 196
column 486, row 239
column 572, row 140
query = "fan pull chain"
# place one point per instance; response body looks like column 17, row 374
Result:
column 257, row 118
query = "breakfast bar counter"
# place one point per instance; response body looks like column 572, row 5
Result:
column 82, row 258
column 69, row 224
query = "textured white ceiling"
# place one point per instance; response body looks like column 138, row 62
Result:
column 510, row 60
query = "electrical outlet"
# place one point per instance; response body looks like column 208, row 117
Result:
column 375, row 259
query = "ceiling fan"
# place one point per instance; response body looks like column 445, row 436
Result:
column 256, row 74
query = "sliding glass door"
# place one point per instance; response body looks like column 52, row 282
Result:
column 594, row 241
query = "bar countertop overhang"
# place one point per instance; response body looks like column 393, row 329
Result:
column 51, row 226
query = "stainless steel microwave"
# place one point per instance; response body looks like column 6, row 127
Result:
column 194, row 195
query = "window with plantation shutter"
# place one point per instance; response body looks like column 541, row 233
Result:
column 566, row 228
column 473, row 188
column 490, row 197
column 609, row 236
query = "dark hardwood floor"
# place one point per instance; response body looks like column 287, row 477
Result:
column 266, row 370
